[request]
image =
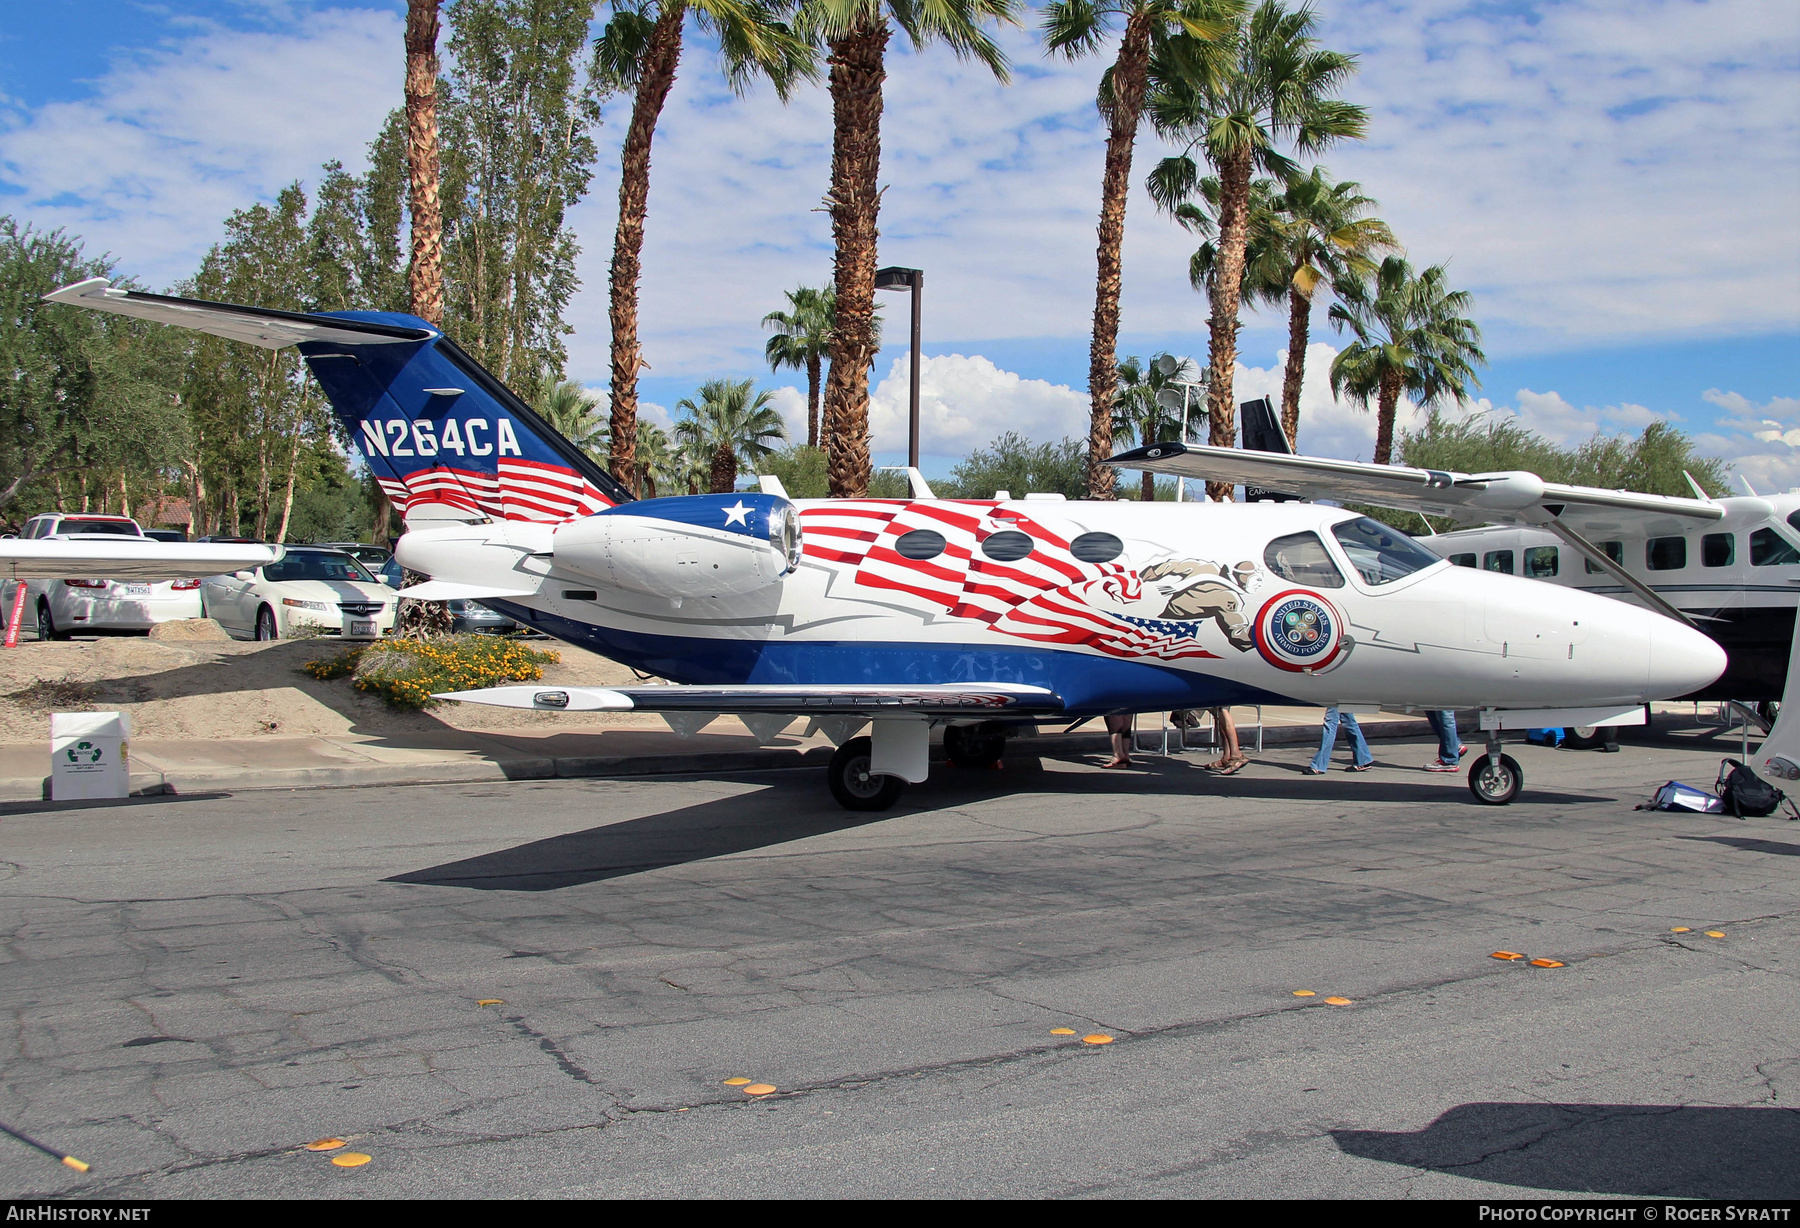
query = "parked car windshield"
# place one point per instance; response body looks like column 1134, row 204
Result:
column 317, row 565
column 1381, row 554
column 116, row 527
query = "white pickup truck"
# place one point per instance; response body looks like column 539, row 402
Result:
column 77, row 603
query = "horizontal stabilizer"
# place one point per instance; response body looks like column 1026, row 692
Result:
column 967, row 699
column 448, row 590
column 268, row 328
column 129, row 558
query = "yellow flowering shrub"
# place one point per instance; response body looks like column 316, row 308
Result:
column 406, row 672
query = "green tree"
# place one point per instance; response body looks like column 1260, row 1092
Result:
column 1411, row 338
column 84, row 397
column 1322, row 236
column 574, row 412
column 801, row 341
column 730, row 427
column 640, row 50
column 856, row 34
column 1139, row 415
column 659, row 463
column 802, row 471
column 1075, row 28
column 1015, row 464
column 517, row 112
column 1234, row 101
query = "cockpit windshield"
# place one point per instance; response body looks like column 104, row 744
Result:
column 1381, row 555
column 1301, row 558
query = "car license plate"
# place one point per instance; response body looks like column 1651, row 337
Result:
column 362, row 628
column 137, row 590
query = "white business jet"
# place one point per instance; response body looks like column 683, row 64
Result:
column 977, row 615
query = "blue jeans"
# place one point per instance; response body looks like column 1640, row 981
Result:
column 1443, row 724
column 1358, row 747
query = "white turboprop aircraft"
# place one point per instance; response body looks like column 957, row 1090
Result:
column 979, row 615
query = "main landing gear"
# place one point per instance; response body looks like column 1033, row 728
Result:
column 1495, row 779
column 854, row 785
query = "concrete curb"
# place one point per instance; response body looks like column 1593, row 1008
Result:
column 677, row 763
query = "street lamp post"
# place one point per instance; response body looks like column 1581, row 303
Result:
column 914, row 280
column 1167, row 366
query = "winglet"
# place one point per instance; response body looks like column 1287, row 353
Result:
column 1695, row 487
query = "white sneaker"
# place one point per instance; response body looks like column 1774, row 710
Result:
column 1438, row 765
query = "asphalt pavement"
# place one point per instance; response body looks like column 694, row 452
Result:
column 541, row 988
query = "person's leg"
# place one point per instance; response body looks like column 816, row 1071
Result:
column 1228, row 736
column 1118, row 724
column 1359, row 746
column 1327, row 735
column 1444, row 725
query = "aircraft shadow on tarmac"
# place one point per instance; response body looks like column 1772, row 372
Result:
column 1649, row 1150
column 1749, row 845
column 794, row 805
column 693, row 833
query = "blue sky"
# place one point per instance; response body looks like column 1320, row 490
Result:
column 1614, row 180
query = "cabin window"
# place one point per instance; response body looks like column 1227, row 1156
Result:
column 1540, row 562
column 1096, row 547
column 1612, row 550
column 920, row 544
column 1462, row 560
column 1718, row 550
column 1301, row 557
column 1767, row 549
column 1007, row 546
column 1665, row 553
column 1381, row 554
column 1498, row 560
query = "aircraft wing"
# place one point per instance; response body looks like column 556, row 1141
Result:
column 128, row 558
column 975, row 699
column 270, row 329
column 1473, row 498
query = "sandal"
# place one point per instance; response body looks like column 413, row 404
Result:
column 1119, row 763
column 1234, row 767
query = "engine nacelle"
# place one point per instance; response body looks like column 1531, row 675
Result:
column 686, row 546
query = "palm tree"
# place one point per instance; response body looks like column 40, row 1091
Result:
column 1140, row 417
column 801, row 341
column 658, row 461
column 856, row 33
column 731, row 428
column 639, row 50
column 1411, row 337
column 425, row 273
column 1234, row 100
column 575, row 413
column 1325, row 237
column 1075, row 28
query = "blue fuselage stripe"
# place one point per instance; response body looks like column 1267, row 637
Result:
column 1087, row 684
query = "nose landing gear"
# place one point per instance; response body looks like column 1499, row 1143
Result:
column 1495, row 779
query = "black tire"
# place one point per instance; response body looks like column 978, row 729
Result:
column 46, row 628
column 1584, row 737
column 976, row 747
column 1495, row 785
column 266, row 626
column 853, row 785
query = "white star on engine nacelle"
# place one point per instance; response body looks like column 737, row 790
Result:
column 737, row 515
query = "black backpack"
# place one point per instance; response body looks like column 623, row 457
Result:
column 1744, row 793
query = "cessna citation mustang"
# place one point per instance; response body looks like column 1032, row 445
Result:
column 978, row 615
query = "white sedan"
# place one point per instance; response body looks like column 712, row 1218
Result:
column 324, row 591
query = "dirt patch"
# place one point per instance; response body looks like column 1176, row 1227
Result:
column 246, row 690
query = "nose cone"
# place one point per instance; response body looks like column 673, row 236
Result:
column 1681, row 659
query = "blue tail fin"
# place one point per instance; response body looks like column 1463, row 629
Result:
column 447, row 440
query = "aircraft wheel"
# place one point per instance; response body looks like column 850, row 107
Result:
column 973, row 746
column 1584, row 737
column 854, row 786
column 47, row 624
column 265, row 624
column 1495, row 784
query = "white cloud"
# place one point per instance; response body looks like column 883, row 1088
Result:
column 966, row 401
column 1761, row 441
column 174, row 139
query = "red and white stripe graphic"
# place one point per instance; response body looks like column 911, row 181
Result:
column 521, row 490
column 1048, row 596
